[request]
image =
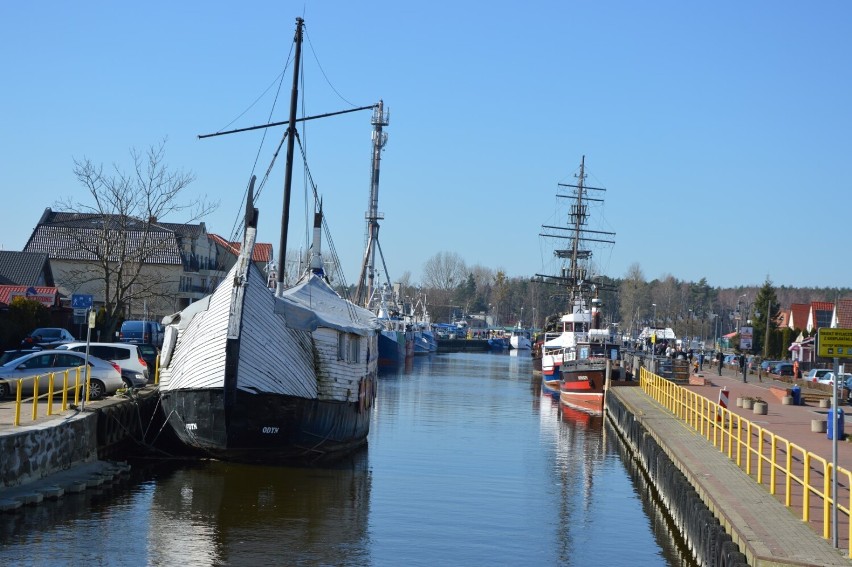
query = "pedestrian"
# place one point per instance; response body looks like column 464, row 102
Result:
column 796, row 369
column 743, row 366
column 701, row 360
column 720, row 357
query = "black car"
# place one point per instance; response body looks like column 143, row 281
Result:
column 149, row 353
column 47, row 337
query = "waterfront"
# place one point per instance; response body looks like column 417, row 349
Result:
column 467, row 464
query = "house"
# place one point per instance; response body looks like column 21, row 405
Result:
column 29, row 275
column 820, row 314
column 798, row 315
column 842, row 317
column 181, row 262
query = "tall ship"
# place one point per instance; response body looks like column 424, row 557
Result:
column 256, row 372
column 397, row 337
column 579, row 355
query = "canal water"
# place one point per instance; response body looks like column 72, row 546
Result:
column 467, row 464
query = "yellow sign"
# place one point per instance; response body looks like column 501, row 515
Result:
column 834, row 343
column 654, row 338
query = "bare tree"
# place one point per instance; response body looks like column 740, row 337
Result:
column 635, row 299
column 122, row 238
column 444, row 271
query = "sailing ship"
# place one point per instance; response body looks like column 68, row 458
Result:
column 580, row 355
column 255, row 374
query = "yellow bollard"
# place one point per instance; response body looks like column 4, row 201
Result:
column 65, row 390
column 35, row 398
column 18, row 397
column 50, row 394
column 77, row 387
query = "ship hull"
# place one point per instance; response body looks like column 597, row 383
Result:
column 265, row 428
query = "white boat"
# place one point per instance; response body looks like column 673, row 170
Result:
column 255, row 374
column 520, row 338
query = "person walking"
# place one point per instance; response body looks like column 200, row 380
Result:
column 796, row 369
column 701, row 360
column 743, row 366
column 719, row 358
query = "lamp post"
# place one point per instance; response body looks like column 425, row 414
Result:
column 766, row 331
column 689, row 327
column 654, row 342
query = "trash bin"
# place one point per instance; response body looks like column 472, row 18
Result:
column 796, row 394
column 830, row 428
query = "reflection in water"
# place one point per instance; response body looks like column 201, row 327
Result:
column 228, row 514
column 467, row 463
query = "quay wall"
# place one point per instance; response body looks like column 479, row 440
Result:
column 702, row 531
column 105, row 429
column 30, row 453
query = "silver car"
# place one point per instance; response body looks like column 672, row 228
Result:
column 134, row 369
column 105, row 376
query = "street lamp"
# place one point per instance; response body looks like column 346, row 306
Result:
column 654, row 342
column 689, row 326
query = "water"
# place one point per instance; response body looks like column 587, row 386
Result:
column 467, row 464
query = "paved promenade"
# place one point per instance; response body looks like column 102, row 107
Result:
column 766, row 530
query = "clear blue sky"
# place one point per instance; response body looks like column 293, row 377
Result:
column 721, row 130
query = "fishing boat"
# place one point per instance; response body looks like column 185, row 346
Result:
column 396, row 341
column 582, row 353
column 520, row 338
column 256, row 374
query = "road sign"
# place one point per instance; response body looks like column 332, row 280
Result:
column 834, row 343
column 81, row 301
column 746, row 334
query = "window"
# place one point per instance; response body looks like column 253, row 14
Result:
column 348, row 347
column 354, row 349
column 341, row 346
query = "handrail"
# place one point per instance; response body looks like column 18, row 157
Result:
column 20, row 400
column 767, row 458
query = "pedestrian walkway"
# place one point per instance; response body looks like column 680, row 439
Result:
column 766, row 528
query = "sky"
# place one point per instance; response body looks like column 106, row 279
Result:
column 721, row 130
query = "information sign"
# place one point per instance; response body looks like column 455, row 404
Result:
column 834, row 343
column 81, row 301
column 746, row 334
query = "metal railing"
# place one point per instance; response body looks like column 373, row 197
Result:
column 78, row 388
column 769, row 459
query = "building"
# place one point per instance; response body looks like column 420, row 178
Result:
column 161, row 267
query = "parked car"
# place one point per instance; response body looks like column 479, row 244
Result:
column 767, row 365
column 11, row 355
column 47, row 337
column 149, row 332
column 828, row 378
column 134, row 368
column 816, row 374
column 149, row 353
column 783, row 369
column 105, row 376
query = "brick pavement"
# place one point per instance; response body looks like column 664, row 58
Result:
column 764, row 528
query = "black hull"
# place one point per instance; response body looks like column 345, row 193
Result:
column 265, row 428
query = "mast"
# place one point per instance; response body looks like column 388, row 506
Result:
column 578, row 215
column 366, row 281
column 288, row 172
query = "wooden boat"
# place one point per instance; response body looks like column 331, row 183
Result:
column 255, row 374
column 580, row 355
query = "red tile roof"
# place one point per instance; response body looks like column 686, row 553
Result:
column 844, row 313
column 799, row 315
column 262, row 251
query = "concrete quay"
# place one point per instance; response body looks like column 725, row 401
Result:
column 763, row 528
column 68, row 451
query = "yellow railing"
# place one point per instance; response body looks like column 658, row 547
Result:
column 77, row 388
column 784, row 467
